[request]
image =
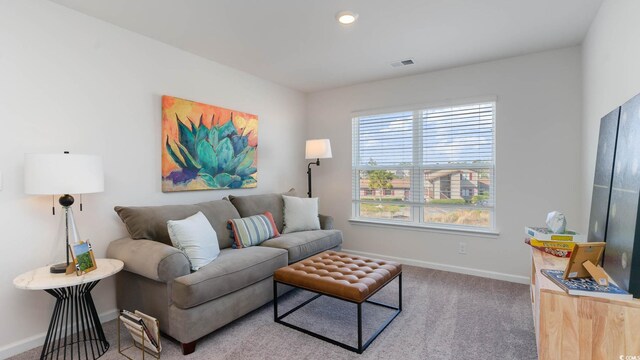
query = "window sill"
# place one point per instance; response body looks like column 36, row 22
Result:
column 432, row 228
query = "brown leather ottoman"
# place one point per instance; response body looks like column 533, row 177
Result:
column 339, row 275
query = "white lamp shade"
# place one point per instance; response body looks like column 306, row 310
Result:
column 318, row 149
column 51, row 174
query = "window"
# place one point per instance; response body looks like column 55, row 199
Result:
column 429, row 166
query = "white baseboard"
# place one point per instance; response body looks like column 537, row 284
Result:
column 34, row 341
column 444, row 267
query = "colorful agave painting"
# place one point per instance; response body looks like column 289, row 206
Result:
column 207, row 147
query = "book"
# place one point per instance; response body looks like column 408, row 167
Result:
column 565, row 245
column 153, row 326
column 564, row 250
column 556, row 252
column 586, row 286
column 137, row 325
column 542, row 233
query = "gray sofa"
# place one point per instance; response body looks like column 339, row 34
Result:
column 157, row 278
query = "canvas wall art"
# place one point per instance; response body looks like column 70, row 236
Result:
column 601, row 194
column 206, row 147
column 622, row 255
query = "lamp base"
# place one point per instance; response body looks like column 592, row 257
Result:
column 58, row 268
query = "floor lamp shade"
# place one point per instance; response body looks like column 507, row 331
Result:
column 318, row 149
column 50, row 174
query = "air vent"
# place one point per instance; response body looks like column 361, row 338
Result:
column 404, row 62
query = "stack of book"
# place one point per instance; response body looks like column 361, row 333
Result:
column 560, row 245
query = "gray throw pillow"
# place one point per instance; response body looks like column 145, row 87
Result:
column 300, row 214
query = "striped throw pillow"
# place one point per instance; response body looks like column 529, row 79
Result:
column 253, row 230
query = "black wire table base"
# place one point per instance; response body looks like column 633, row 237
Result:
column 362, row 344
column 75, row 331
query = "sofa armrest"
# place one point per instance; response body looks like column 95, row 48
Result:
column 326, row 222
column 151, row 259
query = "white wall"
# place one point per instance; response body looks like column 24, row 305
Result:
column 611, row 70
column 71, row 82
column 538, row 160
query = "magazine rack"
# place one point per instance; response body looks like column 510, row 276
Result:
column 140, row 340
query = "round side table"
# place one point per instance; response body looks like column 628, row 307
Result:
column 75, row 331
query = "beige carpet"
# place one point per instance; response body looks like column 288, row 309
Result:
column 445, row 316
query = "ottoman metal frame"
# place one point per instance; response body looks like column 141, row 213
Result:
column 361, row 345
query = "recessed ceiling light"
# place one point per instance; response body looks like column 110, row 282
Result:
column 346, row 17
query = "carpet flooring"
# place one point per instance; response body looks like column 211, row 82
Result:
column 445, row 316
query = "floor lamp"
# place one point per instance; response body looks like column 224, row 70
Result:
column 63, row 174
column 316, row 149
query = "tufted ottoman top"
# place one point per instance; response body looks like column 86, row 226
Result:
column 349, row 277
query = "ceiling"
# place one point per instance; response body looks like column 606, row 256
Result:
column 299, row 44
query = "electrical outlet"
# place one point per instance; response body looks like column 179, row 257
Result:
column 462, row 248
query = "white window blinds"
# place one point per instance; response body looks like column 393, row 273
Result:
column 458, row 135
column 385, row 140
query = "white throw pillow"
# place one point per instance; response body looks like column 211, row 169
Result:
column 300, row 214
column 196, row 237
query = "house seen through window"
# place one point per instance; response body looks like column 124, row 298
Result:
column 429, row 166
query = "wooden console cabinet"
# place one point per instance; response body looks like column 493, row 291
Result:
column 579, row 327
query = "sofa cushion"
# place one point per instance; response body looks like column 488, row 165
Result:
column 303, row 244
column 150, row 222
column 233, row 270
column 259, row 204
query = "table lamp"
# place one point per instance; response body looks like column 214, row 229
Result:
column 63, row 174
column 316, row 149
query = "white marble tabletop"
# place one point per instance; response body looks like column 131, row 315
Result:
column 42, row 279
